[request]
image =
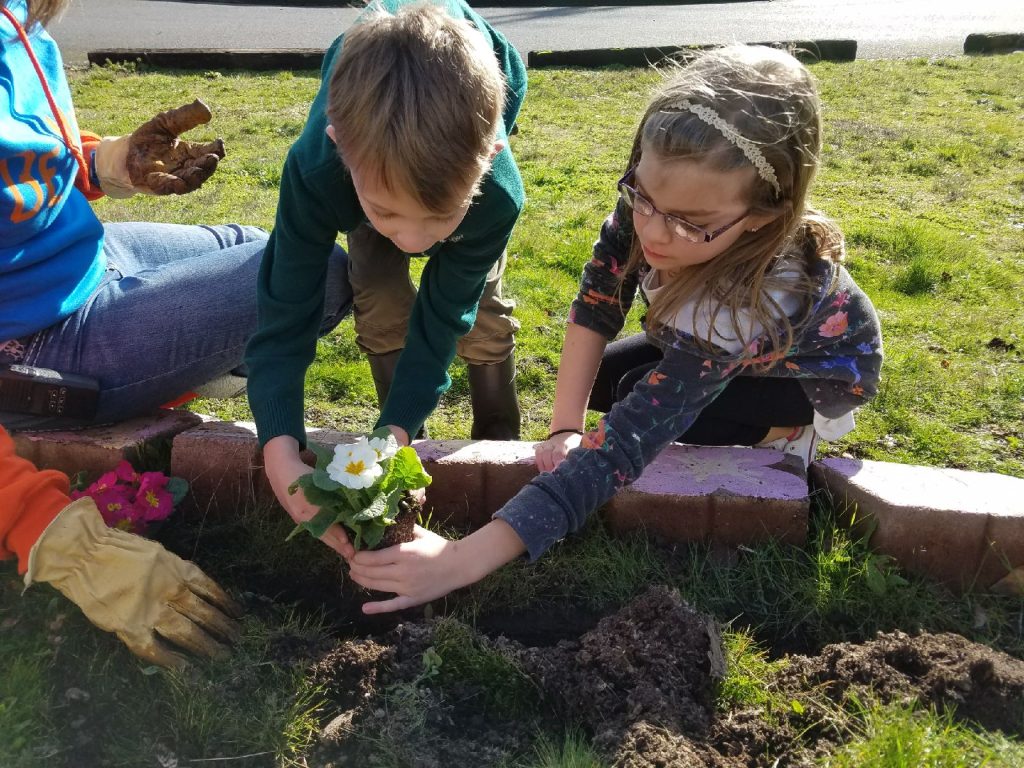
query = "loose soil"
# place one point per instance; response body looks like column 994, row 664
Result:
column 402, row 530
column 641, row 683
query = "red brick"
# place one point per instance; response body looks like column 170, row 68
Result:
column 100, row 449
column 964, row 529
column 220, row 460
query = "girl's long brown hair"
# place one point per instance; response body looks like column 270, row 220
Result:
column 770, row 99
column 42, row 11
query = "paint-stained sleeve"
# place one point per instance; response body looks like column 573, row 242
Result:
column 606, row 293
column 659, row 409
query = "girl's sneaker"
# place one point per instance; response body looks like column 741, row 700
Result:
column 801, row 442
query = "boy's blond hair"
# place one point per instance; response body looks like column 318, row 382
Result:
column 415, row 100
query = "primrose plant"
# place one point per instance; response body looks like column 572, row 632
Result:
column 360, row 486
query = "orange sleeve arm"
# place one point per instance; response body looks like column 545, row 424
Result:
column 87, row 182
column 29, row 501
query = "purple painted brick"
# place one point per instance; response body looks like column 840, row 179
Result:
column 99, row 449
column 729, row 495
column 965, row 529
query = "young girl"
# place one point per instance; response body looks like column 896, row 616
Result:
column 755, row 334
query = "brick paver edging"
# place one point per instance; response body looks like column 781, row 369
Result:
column 965, row 529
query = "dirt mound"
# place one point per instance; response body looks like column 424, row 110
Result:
column 642, row 683
column 657, row 661
column 942, row 670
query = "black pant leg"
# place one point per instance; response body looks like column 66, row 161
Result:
column 742, row 415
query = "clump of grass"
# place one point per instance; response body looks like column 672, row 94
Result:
column 594, row 569
column 748, row 673
column 894, row 736
column 462, row 657
column 921, row 255
column 573, row 750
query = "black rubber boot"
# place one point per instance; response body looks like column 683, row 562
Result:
column 492, row 389
column 382, row 368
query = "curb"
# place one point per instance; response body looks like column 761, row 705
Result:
column 808, row 51
column 312, row 58
column 211, row 59
column 994, row 42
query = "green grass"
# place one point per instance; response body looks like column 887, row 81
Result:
column 921, row 169
column 910, row 737
column 573, row 750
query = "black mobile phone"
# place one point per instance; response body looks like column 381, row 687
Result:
column 42, row 392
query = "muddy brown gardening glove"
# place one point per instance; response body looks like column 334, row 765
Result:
column 150, row 598
column 153, row 160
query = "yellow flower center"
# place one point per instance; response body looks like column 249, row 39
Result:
column 355, row 467
column 152, row 500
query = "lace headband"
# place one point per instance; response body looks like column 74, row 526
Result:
column 747, row 147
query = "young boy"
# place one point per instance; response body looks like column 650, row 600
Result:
column 406, row 151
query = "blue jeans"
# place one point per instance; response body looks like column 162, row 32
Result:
column 175, row 310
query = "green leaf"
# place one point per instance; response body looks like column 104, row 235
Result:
column 324, row 455
column 80, row 480
column 322, row 480
column 372, row 534
column 323, row 499
column 318, row 525
column 797, row 706
column 377, row 508
column 406, row 472
column 875, row 578
column 358, row 499
column 178, row 488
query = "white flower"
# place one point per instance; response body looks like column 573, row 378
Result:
column 355, row 465
column 385, row 448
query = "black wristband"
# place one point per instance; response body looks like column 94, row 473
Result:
column 564, row 431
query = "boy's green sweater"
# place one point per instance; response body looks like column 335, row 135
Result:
column 317, row 202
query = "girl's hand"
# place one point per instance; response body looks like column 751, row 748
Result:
column 418, row 571
column 429, row 566
column 553, row 451
column 284, row 467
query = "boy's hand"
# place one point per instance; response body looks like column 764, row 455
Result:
column 430, row 566
column 552, row 452
column 284, row 467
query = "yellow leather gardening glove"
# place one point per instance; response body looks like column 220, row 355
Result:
column 149, row 597
column 154, row 161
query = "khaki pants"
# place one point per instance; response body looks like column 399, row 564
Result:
column 383, row 296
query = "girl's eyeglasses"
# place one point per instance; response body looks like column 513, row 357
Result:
column 678, row 226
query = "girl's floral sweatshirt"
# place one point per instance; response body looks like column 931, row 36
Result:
column 836, row 355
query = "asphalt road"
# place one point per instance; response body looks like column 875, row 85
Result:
column 882, row 28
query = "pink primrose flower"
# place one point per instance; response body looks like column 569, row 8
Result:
column 154, row 503
column 126, row 473
column 105, row 482
column 114, row 506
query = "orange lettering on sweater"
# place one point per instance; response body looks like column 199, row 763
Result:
column 46, row 172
